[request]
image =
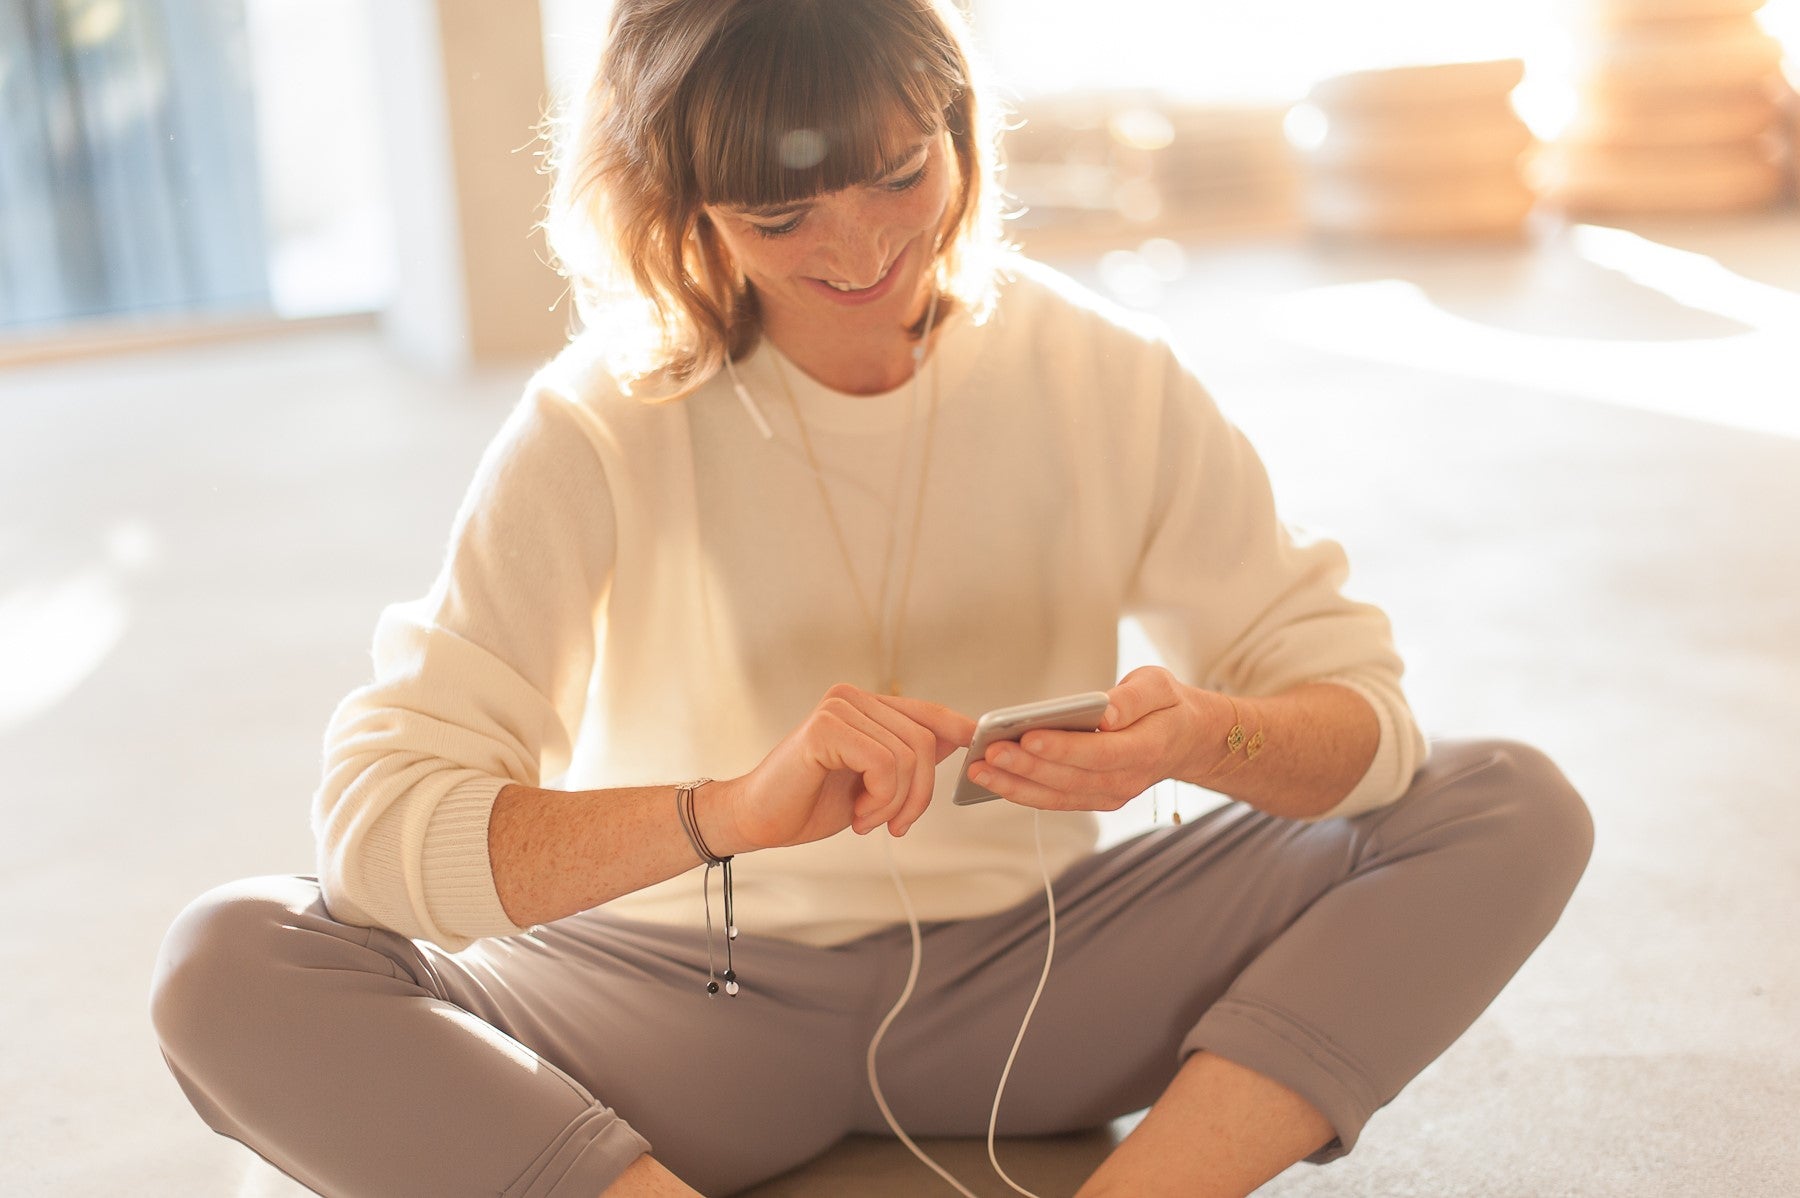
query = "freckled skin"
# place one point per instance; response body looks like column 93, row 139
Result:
column 852, row 237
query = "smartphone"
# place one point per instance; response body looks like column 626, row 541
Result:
column 1075, row 713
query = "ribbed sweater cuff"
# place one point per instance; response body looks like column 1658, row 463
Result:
column 458, row 874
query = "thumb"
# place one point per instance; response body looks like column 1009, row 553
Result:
column 1144, row 690
column 1117, row 714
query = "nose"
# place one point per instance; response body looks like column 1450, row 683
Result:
column 859, row 250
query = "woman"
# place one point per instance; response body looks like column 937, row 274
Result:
column 831, row 441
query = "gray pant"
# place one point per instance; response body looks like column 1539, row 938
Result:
column 1339, row 958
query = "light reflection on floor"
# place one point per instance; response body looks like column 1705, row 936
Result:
column 1748, row 380
column 52, row 636
column 55, row 632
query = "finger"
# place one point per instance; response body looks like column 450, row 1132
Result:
column 1102, row 750
column 923, row 745
column 1100, row 769
column 1144, row 690
column 1056, row 775
column 953, row 729
column 852, row 739
column 1015, row 788
column 888, row 785
column 924, row 762
column 1093, row 751
column 918, row 801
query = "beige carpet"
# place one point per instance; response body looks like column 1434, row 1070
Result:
column 1571, row 471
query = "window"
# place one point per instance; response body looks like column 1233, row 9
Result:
column 188, row 159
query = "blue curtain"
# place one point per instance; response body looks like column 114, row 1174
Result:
column 128, row 173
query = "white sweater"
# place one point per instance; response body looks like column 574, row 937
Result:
column 639, row 594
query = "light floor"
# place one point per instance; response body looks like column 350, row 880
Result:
column 1570, row 470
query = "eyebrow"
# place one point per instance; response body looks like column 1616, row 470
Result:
column 784, row 207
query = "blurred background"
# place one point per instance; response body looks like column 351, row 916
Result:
column 1508, row 296
column 203, row 164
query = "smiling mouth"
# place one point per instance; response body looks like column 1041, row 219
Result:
column 845, row 287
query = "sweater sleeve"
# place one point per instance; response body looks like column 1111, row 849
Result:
column 1239, row 602
column 478, row 684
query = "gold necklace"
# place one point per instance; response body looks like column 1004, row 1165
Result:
column 876, row 625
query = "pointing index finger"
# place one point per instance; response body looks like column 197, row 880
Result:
column 952, row 728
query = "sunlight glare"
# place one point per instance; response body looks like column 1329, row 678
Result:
column 1781, row 20
column 1749, row 380
column 1688, row 278
column 52, row 637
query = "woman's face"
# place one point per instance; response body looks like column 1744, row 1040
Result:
column 847, row 259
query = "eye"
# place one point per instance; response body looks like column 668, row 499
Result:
column 911, row 181
column 781, row 230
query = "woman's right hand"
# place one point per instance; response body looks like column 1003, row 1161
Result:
column 859, row 760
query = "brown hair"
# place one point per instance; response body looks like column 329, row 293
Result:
column 752, row 102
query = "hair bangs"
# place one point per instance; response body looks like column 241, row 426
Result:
column 811, row 97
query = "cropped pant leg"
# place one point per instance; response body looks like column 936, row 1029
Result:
column 1338, row 957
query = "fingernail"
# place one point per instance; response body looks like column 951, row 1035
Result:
column 1111, row 716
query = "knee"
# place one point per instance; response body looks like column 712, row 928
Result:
column 1528, row 813
column 1554, row 820
column 215, row 955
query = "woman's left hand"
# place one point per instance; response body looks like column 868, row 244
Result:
column 1146, row 737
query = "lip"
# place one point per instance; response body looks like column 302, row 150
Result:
column 868, row 295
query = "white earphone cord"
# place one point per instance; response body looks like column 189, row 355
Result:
column 912, row 976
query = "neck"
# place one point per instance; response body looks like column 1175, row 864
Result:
column 861, row 367
column 868, row 361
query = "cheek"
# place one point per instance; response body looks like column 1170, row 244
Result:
column 943, row 188
column 933, row 206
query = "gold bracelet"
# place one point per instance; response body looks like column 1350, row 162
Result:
column 1250, row 751
column 1234, row 740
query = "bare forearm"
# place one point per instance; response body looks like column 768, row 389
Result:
column 858, row 760
column 1317, row 741
column 555, row 852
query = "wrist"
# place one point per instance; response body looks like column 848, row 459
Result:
column 1211, row 718
column 715, row 811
